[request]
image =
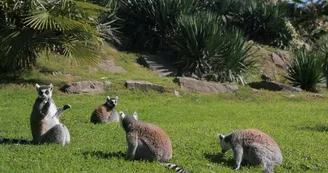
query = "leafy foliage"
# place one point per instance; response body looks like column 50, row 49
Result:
column 148, row 22
column 305, row 71
column 264, row 23
column 204, row 48
column 30, row 27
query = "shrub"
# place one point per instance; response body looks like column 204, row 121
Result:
column 321, row 46
column 264, row 23
column 305, row 70
column 148, row 22
column 205, row 49
column 28, row 28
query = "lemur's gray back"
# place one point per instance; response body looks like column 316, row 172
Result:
column 44, row 120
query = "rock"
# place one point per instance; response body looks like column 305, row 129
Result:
column 194, row 85
column 316, row 95
column 177, row 93
column 108, row 65
column 144, row 85
column 83, row 87
column 278, row 61
column 273, row 86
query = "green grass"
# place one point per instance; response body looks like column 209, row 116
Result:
column 298, row 122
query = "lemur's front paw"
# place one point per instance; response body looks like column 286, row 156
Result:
column 67, row 106
column 235, row 169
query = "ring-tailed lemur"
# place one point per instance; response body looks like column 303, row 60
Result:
column 147, row 141
column 254, row 146
column 105, row 112
column 44, row 120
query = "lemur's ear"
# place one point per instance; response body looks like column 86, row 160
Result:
column 108, row 98
column 51, row 85
column 221, row 137
column 135, row 115
column 116, row 97
column 122, row 115
column 37, row 86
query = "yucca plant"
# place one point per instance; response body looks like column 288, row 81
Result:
column 30, row 27
column 321, row 46
column 264, row 23
column 305, row 70
column 204, row 47
column 148, row 22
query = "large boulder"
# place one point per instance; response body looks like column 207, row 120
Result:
column 82, row 87
column 144, row 85
column 273, row 86
column 194, row 85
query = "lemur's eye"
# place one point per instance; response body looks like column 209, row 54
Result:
column 47, row 92
column 40, row 92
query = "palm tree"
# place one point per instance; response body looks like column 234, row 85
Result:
column 30, row 27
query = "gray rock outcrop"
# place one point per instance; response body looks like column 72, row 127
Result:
column 194, row 85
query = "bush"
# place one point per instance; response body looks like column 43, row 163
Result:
column 305, row 70
column 321, row 46
column 264, row 23
column 205, row 48
column 148, row 22
column 28, row 28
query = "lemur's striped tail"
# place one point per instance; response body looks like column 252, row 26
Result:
column 14, row 141
column 174, row 167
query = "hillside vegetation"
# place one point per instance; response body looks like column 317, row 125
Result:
column 230, row 41
column 298, row 122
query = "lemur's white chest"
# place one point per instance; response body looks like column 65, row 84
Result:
column 51, row 118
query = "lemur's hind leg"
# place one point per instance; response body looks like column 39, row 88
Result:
column 60, row 110
column 57, row 134
column 143, row 152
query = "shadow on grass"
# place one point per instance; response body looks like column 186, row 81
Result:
column 219, row 158
column 320, row 128
column 9, row 141
column 17, row 79
column 102, row 155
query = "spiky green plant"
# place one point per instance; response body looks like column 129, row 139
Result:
column 321, row 46
column 205, row 48
column 305, row 70
column 264, row 23
column 148, row 22
column 30, row 27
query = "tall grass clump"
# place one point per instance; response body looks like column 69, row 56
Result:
column 148, row 22
column 205, row 48
column 305, row 70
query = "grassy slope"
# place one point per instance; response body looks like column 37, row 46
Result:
column 298, row 123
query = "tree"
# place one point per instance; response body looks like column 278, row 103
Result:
column 30, row 27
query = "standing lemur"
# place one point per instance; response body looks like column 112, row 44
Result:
column 147, row 141
column 44, row 120
column 254, row 146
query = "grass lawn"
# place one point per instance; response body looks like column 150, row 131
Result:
column 298, row 122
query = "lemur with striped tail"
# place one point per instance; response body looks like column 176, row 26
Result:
column 254, row 146
column 44, row 120
column 147, row 141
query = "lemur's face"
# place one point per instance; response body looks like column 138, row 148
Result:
column 111, row 102
column 44, row 91
column 225, row 145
